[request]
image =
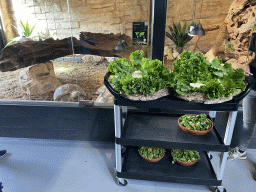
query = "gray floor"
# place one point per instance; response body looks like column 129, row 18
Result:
column 40, row 165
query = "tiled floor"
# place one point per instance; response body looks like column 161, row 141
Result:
column 39, row 165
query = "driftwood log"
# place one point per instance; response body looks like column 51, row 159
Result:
column 27, row 53
column 102, row 44
column 24, row 54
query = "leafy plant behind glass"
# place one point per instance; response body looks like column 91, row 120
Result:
column 27, row 31
column 178, row 34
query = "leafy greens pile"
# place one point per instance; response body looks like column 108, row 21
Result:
column 198, row 122
column 185, row 155
column 215, row 80
column 139, row 75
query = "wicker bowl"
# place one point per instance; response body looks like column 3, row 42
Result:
column 193, row 132
column 152, row 160
column 185, row 163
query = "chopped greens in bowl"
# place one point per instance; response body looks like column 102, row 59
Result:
column 151, row 152
column 185, row 155
column 197, row 123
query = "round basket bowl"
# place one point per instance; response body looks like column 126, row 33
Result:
column 193, row 132
column 186, row 163
column 152, row 160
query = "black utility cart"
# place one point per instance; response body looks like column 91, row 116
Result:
column 153, row 128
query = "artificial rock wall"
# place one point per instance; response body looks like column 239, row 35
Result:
column 113, row 16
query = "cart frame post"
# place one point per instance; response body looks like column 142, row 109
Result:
column 227, row 140
column 118, row 127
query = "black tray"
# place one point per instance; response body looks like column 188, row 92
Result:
column 135, row 167
column 172, row 102
column 162, row 130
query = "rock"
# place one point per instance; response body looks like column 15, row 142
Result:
column 242, row 59
column 69, row 92
column 202, row 98
column 93, row 58
column 109, row 59
column 102, row 89
column 152, row 96
column 210, row 55
column 235, row 63
column 105, row 97
column 194, row 97
column 175, row 55
column 39, row 79
column 168, row 52
column 239, row 21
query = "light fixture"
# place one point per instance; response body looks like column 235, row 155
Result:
column 119, row 46
column 198, row 30
column 192, row 25
column 124, row 44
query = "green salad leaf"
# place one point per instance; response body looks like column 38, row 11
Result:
column 217, row 80
column 185, row 155
column 139, row 75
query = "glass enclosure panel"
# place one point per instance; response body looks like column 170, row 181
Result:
column 72, row 42
column 59, row 50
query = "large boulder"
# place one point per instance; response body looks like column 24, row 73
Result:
column 105, row 97
column 39, row 79
column 240, row 20
column 69, row 93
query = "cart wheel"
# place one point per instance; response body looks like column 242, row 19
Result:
column 211, row 157
column 217, row 190
column 122, row 184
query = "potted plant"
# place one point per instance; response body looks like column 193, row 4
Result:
column 178, row 35
column 185, row 157
column 195, row 124
column 152, row 154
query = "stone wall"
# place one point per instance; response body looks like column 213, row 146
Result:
column 114, row 16
column 105, row 16
column 213, row 15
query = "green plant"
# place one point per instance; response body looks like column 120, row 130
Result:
column 252, row 1
column 230, row 46
column 27, row 29
column 198, row 123
column 151, row 152
column 178, row 34
column 139, row 75
column 254, row 26
column 213, row 79
column 185, row 155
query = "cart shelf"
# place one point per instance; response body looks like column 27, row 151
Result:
column 162, row 130
column 135, row 167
